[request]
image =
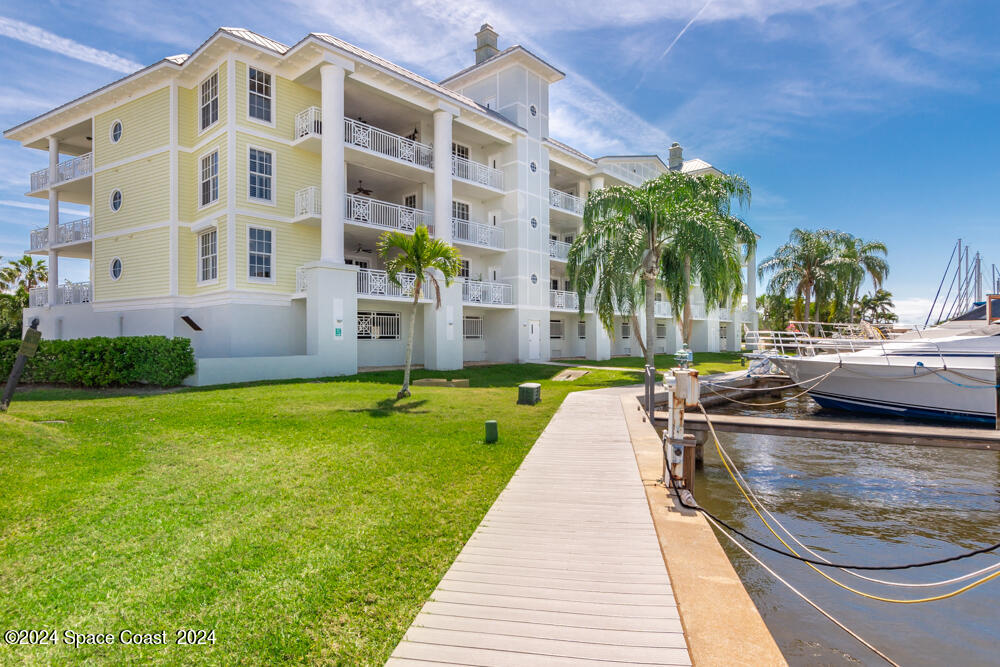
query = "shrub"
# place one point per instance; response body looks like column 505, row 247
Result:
column 104, row 362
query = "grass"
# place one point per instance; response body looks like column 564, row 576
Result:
column 303, row 522
column 705, row 362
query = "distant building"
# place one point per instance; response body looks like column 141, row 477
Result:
column 236, row 196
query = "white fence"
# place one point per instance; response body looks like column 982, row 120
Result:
column 68, row 232
column 68, row 293
column 559, row 249
column 309, row 122
column 565, row 201
column 476, row 172
column 477, row 233
column 385, row 143
column 373, row 282
column 491, row 293
column 66, row 171
column 563, row 300
column 378, row 326
column 308, row 203
column 368, row 211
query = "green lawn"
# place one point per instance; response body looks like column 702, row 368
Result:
column 705, row 362
column 303, row 522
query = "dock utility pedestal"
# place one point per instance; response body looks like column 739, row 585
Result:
column 679, row 449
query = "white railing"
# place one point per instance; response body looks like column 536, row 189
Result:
column 66, row 171
column 472, row 327
column 68, row 293
column 373, row 282
column 698, row 311
column 565, row 201
column 385, row 143
column 309, row 122
column 564, row 300
column 476, row 172
column 494, row 293
column 377, row 213
column 661, row 309
column 301, row 281
column 68, row 232
column 559, row 250
column 375, row 326
column 307, row 202
column 477, row 233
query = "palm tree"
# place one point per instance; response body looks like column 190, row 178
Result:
column 805, row 264
column 878, row 307
column 861, row 260
column 25, row 274
column 628, row 232
column 423, row 258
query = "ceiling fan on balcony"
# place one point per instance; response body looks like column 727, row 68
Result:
column 360, row 249
column 362, row 190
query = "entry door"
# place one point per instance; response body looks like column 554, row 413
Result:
column 534, row 339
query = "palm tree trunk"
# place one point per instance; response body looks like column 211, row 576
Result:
column 650, row 353
column 808, row 292
column 405, row 391
column 686, row 323
column 638, row 334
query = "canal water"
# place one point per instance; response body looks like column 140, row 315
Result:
column 872, row 504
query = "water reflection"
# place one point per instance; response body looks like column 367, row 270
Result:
column 865, row 503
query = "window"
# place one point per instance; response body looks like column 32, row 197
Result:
column 472, row 327
column 534, row 278
column 581, row 329
column 261, row 253
column 209, row 101
column 259, row 103
column 378, row 326
column 464, row 273
column 459, row 210
column 210, row 178
column 410, row 201
column 115, row 201
column 555, row 329
column 555, row 284
column 533, row 110
column 534, row 223
column 116, row 131
column 458, row 150
column 115, row 269
column 626, row 330
column 568, row 238
column 260, row 174
column 208, row 256
column 533, row 166
column 661, row 331
column 360, row 263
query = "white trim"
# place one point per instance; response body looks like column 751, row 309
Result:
column 273, row 201
column 213, row 298
column 217, row 149
column 198, row 103
column 174, row 194
column 257, row 134
column 204, row 141
column 131, row 230
column 121, row 200
column 111, row 268
column 111, row 131
column 232, row 162
column 274, row 101
column 198, row 279
column 274, row 255
column 120, row 163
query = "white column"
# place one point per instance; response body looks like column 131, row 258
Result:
column 442, row 175
column 596, row 182
column 53, row 221
column 332, row 174
column 751, row 288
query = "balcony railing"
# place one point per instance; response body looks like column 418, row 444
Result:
column 559, row 250
column 373, row 282
column 565, row 201
column 477, row 173
column 307, row 202
column 309, row 122
column 66, row 171
column 490, row 293
column 661, row 309
column 477, row 233
column 376, row 213
column 301, row 281
column 68, row 232
column 68, row 293
column 385, row 143
column 564, row 300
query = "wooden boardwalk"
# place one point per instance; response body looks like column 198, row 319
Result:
column 565, row 568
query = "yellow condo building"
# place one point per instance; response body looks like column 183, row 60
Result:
column 236, row 195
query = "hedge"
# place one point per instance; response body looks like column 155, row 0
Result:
column 104, row 362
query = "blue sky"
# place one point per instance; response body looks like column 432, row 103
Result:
column 877, row 118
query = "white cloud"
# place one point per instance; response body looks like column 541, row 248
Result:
column 42, row 207
column 912, row 310
column 43, row 39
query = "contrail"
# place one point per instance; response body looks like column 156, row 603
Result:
column 673, row 43
column 43, row 39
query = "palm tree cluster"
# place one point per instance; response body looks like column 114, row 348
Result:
column 820, row 273
column 663, row 232
column 17, row 279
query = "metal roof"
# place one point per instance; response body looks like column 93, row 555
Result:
column 506, row 52
column 569, row 149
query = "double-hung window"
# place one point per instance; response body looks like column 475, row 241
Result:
column 261, row 253
column 626, row 330
column 464, row 271
column 208, row 256
column 260, row 100
column 210, row 178
column 459, row 210
column 209, row 101
column 458, row 150
column 581, row 329
column 261, row 173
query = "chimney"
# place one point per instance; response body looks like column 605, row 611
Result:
column 676, row 158
column 486, row 43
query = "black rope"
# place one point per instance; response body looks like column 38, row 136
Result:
column 824, row 563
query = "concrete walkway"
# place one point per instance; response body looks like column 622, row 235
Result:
column 566, row 566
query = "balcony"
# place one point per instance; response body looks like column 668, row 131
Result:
column 662, row 309
column 72, row 179
column 476, row 173
column 307, row 205
column 308, row 128
column 562, row 300
column 565, row 202
column 69, row 234
column 477, row 234
column 383, row 215
column 487, row 293
column 68, row 293
column 386, row 144
column 376, row 283
column 559, row 250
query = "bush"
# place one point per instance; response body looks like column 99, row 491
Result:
column 104, row 362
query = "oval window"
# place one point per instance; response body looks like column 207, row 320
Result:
column 533, row 109
column 534, row 279
column 116, row 200
column 533, row 167
column 116, row 131
column 534, row 223
column 115, row 269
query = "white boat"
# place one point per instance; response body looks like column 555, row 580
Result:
column 946, row 372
